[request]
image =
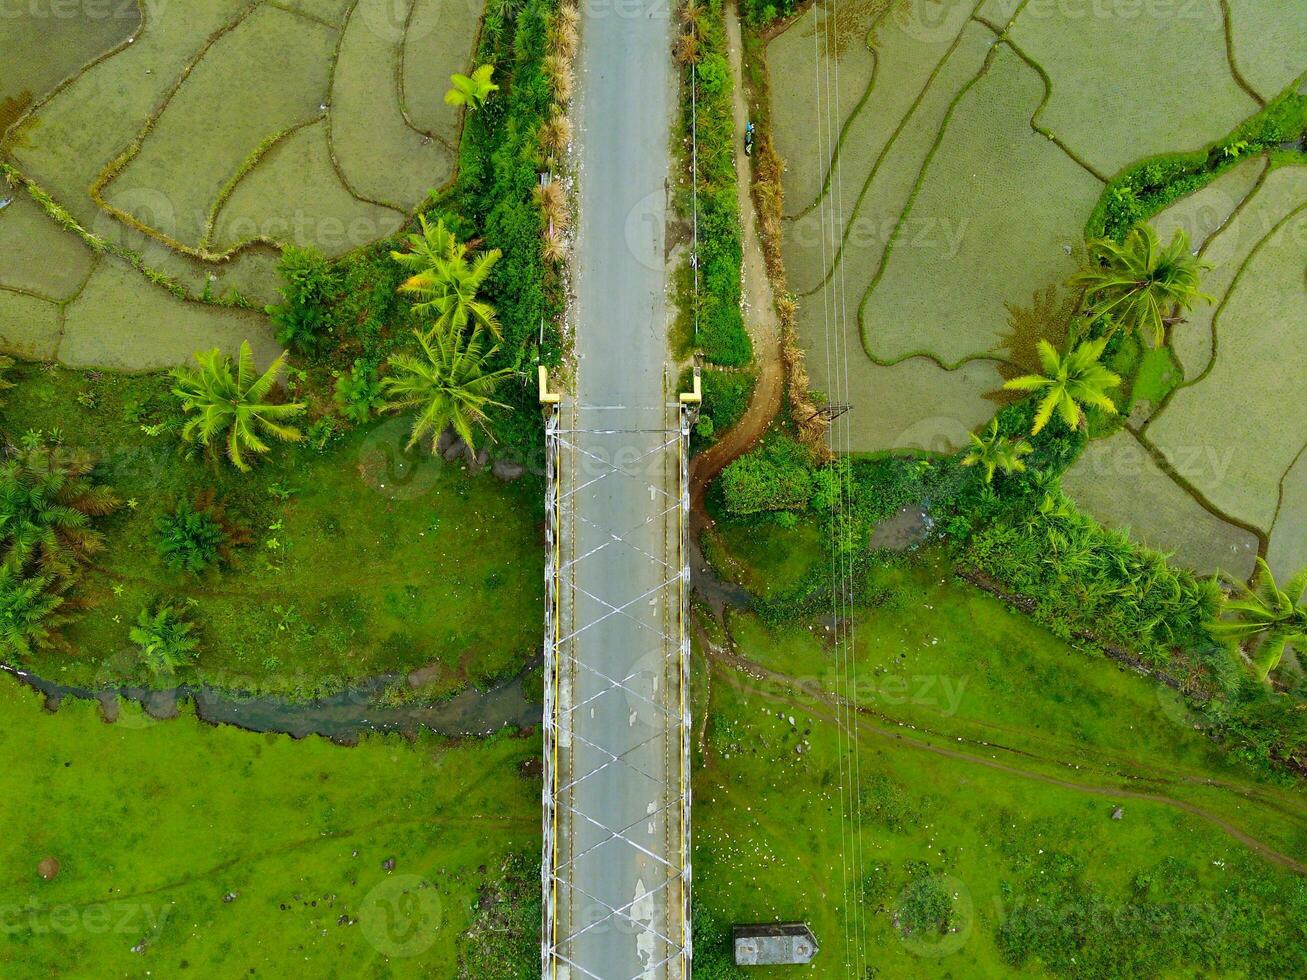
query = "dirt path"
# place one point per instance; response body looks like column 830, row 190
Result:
column 759, row 313
column 741, row 665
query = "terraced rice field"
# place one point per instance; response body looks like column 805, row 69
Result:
column 184, row 145
column 971, row 141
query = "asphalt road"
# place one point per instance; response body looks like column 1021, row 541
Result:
column 623, row 491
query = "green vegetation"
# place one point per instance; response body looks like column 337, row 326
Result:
column 1071, row 382
column 449, row 385
column 994, row 452
column 235, row 408
column 444, row 282
column 726, row 396
column 164, row 638
column 1267, row 618
column 471, row 90
column 711, row 296
column 230, row 851
column 340, row 557
column 1146, row 188
column 1141, row 286
column 971, row 830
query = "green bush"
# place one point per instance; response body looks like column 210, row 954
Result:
column 194, row 536
column 358, row 393
column 163, row 637
column 775, row 476
column 1146, row 188
column 721, row 335
column 309, row 285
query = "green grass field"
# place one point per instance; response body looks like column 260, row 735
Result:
column 362, row 559
column 990, row 758
column 189, row 850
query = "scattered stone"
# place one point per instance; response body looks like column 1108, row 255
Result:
column 1118, row 813
column 454, row 450
column 388, row 864
column 446, row 440
column 139, row 947
column 48, row 868
column 229, row 897
column 507, row 470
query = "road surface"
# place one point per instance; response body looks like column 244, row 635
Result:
column 618, row 895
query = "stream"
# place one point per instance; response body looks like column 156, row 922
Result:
column 341, row 717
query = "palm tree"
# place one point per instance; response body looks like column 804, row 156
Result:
column 30, row 614
column 1269, row 618
column 995, row 452
column 471, row 90
column 234, row 407
column 446, row 282
column 1141, row 284
column 1069, row 382
column 47, row 501
column 448, row 385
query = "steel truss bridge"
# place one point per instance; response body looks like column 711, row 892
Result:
column 616, row 862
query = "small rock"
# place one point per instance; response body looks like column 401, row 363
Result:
column 454, row 450
column 1118, row 813
column 507, row 470
column 139, row 947
column 480, row 460
column 388, row 864
column 229, row 897
column 48, row 868
column 446, row 440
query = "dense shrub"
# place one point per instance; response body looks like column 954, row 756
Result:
column 163, row 637
column 721, row 334
column 760, row 13
column 776, row 476
column 196, row 535
column 309, row 286
column 358, row 392
column 1146, row 188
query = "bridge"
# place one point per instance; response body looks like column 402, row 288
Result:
column 616, row 858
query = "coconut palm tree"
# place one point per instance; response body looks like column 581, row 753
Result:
column 471, row 90
column 30, row 615
column 428, row 248
column 449, row 385
column 995, row 452
column 446, row 282
column 234, row 407
column 47, row 501
column 1141, row 284
column 1069, row 382
column 1266, row 618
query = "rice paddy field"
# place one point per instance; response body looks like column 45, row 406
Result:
column 964, row 148
column 195, row 140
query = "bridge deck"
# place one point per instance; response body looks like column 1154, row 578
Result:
column 616, row 794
